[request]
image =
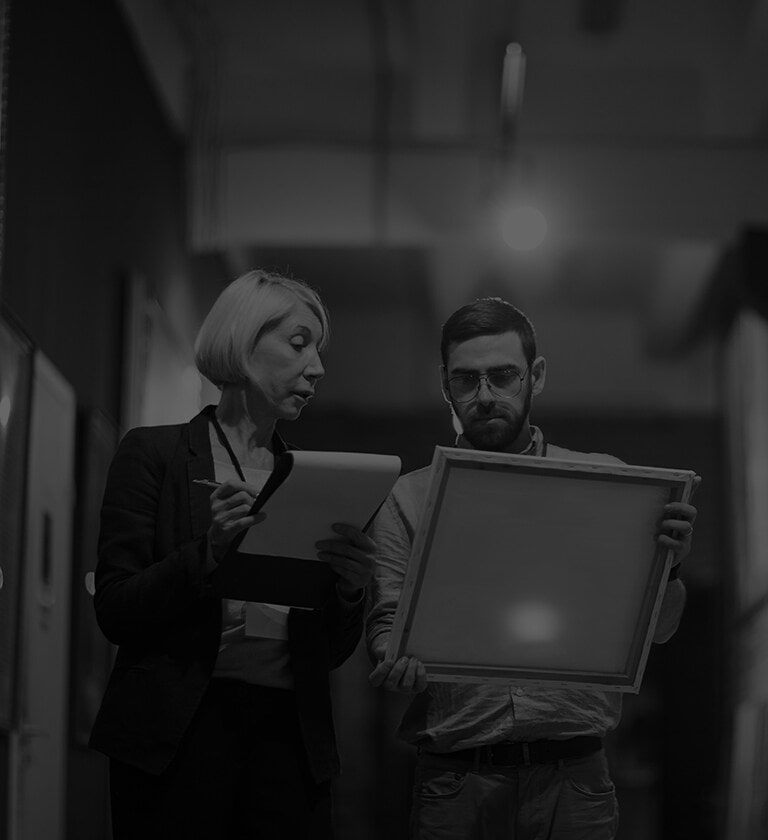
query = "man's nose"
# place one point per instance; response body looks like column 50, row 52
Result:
column 484, row 394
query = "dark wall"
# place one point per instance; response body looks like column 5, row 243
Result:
column 95, row 193
column 94, row 186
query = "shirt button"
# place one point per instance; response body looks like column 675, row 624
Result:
column 519, row 692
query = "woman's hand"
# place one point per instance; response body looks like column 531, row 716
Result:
column 231, row 503
column 352, row 557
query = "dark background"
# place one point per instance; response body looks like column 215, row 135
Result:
column 101, row 186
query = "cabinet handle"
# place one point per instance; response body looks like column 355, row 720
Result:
column 46, row 597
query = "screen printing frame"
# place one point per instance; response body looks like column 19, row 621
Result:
column 591, row 509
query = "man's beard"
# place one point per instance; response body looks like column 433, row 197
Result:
column 499, row 435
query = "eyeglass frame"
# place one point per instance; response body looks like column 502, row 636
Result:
column 480, row 377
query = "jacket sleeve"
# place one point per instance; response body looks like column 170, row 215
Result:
column 344, row 622
column 138, row 594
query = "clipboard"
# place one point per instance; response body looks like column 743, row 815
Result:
column 276, row 560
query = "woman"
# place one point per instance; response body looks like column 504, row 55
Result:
column 217, row 716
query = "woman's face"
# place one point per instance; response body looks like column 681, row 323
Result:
column 285, row 365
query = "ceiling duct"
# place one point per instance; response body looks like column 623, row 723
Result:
column 601, row 17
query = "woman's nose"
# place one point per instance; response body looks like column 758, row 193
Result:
column 315, row 369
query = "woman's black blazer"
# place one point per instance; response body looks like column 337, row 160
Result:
column 154, row 600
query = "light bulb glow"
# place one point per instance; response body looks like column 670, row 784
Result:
column 523, row 227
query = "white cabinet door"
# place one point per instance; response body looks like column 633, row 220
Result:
column 39, row 741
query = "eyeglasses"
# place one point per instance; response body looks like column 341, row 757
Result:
column 503, row 383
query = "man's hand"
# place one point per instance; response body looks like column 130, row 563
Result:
column 676, row 529
column 406, row 675
column 352, row 557
column 231, row 503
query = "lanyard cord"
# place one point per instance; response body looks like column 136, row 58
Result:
column 225, row 443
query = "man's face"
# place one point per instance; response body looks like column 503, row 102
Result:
column 492, row 421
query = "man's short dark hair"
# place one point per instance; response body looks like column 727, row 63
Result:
column 488, row 316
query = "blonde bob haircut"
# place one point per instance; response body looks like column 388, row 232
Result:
column 248, row 308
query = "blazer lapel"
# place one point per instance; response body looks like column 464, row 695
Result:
column 200, row 465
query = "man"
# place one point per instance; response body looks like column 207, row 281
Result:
column 500, row 761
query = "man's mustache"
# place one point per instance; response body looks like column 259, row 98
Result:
column 489, row 415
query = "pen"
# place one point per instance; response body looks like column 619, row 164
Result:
column 206, row 483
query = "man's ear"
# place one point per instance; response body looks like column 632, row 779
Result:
column 444, row 383
column 455, row 422
column 538, row 375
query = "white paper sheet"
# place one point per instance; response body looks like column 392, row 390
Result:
column 266, row 621
column 321, row 488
